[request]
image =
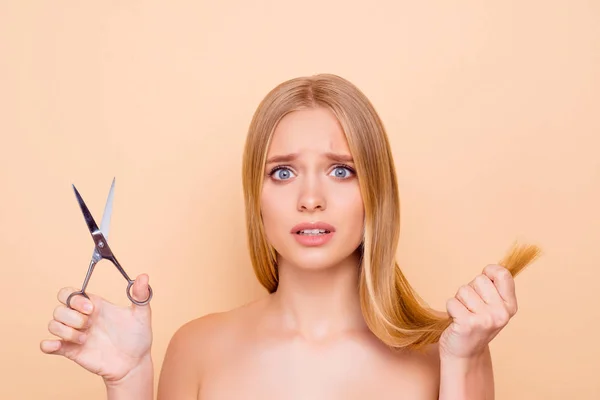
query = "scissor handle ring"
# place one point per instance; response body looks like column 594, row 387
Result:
column 134, row 301
column 79, row 292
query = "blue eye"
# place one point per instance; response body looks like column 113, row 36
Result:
column 281, row 173
column 342, row 172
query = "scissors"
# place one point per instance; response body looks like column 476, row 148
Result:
column 101, row 248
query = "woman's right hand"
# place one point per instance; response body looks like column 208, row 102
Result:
column 106, row 339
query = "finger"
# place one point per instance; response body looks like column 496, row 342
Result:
column 141, row 292
column 469, row 297
column 78, row 302
column 50, row 346
column 70, row 317
column 56, row 347
column 64, row 293
column 457, row 310
column 66, row 332
column 504, row 282
column 486, row 289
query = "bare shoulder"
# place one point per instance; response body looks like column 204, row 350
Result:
column 426, row 363
column 197, row 344
column 421, row 372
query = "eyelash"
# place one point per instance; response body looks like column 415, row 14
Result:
column 279, row 167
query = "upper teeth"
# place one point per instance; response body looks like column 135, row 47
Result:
column 313, row 231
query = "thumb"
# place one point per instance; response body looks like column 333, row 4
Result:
column 140, row 291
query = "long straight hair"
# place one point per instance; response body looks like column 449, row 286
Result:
column 391, row 308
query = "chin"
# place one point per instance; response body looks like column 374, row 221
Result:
column 318, row 258
column 313, row 263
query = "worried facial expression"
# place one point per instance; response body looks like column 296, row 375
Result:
column 311, row 204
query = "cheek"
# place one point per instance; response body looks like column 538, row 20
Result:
column 352, row 207
column 273, row 212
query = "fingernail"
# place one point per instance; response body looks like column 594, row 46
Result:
column 87, row 307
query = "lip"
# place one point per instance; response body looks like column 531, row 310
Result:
column 312, row 225
column 313, row 240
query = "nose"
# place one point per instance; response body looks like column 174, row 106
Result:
column 311, row 197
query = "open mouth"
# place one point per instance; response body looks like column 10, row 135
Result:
column 313, row 232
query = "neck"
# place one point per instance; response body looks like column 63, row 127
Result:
column 318, row 304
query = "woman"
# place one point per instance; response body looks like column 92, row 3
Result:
column 340, row 320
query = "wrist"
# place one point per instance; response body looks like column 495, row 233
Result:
column 137, row 384
column 465, row 362
column 461, row 369
column 468, row 378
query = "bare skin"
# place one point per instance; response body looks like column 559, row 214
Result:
column 247, row 354
column 308, row 340
column 257, row 351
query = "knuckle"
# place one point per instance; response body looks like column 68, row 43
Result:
column 80, row 318
column 500, row 321
column 502, row 272
column 487, row 322
column 494, row 270
column 451, row 303
column 502, row 317
column 463, row 291
column 481, row 280
column 489, row 268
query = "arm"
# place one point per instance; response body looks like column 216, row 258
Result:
column 479, row 311
column 467, row 378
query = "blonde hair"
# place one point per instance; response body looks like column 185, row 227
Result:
column 390, row 306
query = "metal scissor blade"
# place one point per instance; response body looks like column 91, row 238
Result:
column 89, row 220
column 105, row 223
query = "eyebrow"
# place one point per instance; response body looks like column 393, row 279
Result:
column 293, row 156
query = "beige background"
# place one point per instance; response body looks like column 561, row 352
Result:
column 492, row 110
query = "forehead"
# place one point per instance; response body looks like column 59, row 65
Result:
column 308, row 131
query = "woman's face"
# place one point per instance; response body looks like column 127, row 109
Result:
column 311, row 204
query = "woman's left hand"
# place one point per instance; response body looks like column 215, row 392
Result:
column 479, row 311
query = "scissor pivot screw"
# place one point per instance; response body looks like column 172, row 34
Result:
column 101, row 244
